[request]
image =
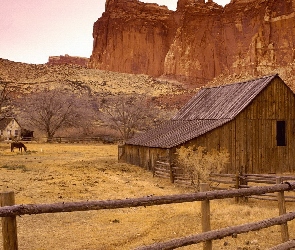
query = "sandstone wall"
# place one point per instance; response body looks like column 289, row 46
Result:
column 131, row 37
column 198, row 41
column 66, row 59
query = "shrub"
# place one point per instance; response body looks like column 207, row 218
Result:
column 198, row 163
column 23, row 168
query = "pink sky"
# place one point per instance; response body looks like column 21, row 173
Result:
column 33, row 30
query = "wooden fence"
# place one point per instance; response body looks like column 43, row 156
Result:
column 224, row 181
column 72, row 139
column 103, row 139
column 227, row 181
column 176, row 175
column 9, row 211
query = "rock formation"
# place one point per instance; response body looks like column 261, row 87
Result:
column 198, row 41
column 66, row 59
column 132, row 37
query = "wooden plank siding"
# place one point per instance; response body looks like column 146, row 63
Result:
column 250, row 138
column 144, row 156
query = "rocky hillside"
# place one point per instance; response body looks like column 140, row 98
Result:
column 164, row 91
column 197, row 42
column 37, row 77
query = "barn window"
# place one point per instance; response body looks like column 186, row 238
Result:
column 281, row 133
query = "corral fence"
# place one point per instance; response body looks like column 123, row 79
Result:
column 101, row 139
column 178, row 176
column 72, row 139
column 9, row 211
column 239, row 180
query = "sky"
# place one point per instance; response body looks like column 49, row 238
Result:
column 33, row 30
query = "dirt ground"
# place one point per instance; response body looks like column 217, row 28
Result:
column 49, row 173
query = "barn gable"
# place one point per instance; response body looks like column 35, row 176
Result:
column 208, row 109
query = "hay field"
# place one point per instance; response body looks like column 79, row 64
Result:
column 50, row 173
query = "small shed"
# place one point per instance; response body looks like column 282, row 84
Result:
column 9, row 129
column 254, row 120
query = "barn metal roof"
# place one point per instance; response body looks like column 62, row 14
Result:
column 175, row 132
column 223, row 102
column 207, row 110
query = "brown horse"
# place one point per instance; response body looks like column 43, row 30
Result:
column 18, row 145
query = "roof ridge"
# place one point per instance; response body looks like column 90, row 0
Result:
column 222, row 102
column 233, row 83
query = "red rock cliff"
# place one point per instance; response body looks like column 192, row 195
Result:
column 66, row 59
column 198, row 41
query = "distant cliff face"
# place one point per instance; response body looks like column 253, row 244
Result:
column 66, row 59
column 131, row 37
column 198, row 41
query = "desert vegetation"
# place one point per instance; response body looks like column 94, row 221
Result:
column 49, row 173
column 52, row 110
column 58, row 112
column 198, row 162
column 129, row 114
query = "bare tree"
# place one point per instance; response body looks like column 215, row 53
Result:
column 51, row 110
column 129, row 114
column 5, row 92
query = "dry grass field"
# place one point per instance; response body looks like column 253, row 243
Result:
column 50, row 173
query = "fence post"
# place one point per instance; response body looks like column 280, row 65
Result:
column 243, row 183
column 9, row 229
column 237, row 185
column 282, row 210
column 205, row 216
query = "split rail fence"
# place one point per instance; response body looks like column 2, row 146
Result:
column 72, row 139
column 227, row 181
column 9, row 211
column 224, row 181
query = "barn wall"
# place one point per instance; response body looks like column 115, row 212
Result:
column 260, row 153
column 251, row 137
column 143, row 156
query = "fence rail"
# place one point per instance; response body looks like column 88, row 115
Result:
column 177, row 175
column 284, row 246
column 72, row 139
column 226, row 181
column 220, row 233
column 136, row 202
column 9, row 212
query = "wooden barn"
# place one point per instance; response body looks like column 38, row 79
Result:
column 254, row 120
